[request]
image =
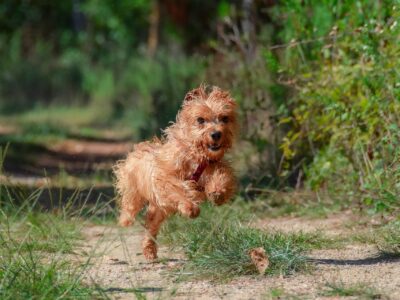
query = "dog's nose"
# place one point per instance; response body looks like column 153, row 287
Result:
column 216, row 135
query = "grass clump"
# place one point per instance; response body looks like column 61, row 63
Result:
column 217, row 245
column 33, row 264
column 388, row 239
column 361, row 291
column 46, row 232
column 36, row 248
column 27, row 275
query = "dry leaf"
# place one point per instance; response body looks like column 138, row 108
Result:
column 259, row 259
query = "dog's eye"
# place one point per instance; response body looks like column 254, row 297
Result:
column 225, row 119
column 200, row 120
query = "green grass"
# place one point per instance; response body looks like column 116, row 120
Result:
column 72, row 116
column 37, row 249
column 279, row 293
column 217, row 244
column 274, row 293
column 361, row 291
column 303, row 203
column 26, row 275
column 46, row 125
column 387, row 238
column 32, row 256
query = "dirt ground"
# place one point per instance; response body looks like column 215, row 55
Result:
column 119, row 268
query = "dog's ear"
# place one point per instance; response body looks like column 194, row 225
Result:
column 195, row 94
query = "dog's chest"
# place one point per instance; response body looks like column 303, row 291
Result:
column 189, row 168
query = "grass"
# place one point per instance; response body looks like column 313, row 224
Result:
column 26, row 276
column 360, row 290
column 37, row 247
column 32, row 254
column 387, row 238
column 48, row 124
column 217, row 244
column 296, row 204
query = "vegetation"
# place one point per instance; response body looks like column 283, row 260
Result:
column 361, row 291
column 316, row 81
column 218, row 243
column 33, row 244
column 38, row 244
column 317, row 84
column 388, row 238
column 345, row 114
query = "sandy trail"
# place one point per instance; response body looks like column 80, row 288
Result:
column 121, row 271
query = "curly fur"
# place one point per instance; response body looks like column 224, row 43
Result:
column 157, row 173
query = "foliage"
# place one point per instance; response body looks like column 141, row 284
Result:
column 316, row 81
column 99, row 63
column 344, row 116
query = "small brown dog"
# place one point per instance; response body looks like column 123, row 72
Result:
column 183, row 169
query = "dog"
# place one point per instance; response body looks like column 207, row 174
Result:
column 185, row 167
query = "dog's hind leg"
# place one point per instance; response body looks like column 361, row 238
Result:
column 130, row 207
column 154, row 219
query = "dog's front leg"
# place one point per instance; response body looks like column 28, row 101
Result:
column 220, row 183
column 181, row 196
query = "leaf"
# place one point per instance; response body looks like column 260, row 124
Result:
column 259, row 259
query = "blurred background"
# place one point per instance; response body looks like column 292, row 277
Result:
column 317, row 84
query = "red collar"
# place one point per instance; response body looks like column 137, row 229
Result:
column 200, row 169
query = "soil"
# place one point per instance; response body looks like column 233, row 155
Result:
column 119, row 268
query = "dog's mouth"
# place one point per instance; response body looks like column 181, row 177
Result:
column 214, row 147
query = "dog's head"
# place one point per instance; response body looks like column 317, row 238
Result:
column 208, row 121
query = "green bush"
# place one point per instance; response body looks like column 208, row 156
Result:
column 344, row 115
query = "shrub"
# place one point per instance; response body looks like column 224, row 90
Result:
column 344, row 116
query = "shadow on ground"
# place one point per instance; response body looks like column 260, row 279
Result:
column 381, row 258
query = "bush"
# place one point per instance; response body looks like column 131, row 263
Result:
column 344, row 116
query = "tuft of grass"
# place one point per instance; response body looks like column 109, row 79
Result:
column 33, row 248
column 388, row 239
column 275, row 293
column 46, row 232
column 217, row 244
column 27, row 275
column 360, row 290
column 33, row 264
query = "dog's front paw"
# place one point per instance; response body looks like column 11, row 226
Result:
column 150, row 250
column 189, row 210
column 217, row 198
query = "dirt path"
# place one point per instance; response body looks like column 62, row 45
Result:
column 76, row 157
column 119, row 268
